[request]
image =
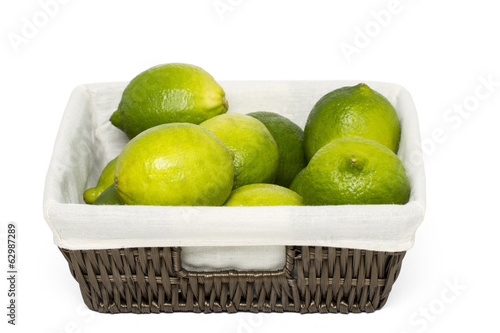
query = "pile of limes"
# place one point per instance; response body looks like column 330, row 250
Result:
column 185, row 150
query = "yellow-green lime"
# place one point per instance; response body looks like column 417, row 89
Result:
column 288, row 137
column 263, row 195
column 105, row 180
column 297, row 182
column 255, row 151
column 177, row 164
column 356, row 111
column 355, row 171
column 168, row 93
column 108, row 197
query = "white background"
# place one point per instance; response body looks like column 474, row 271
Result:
column 444, row 53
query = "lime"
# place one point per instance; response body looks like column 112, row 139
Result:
column 167, row 94
column 255, row 151
column 108, row 197
column 288, row 137
column 356, row 111
column 296, row 184
column 355, row 171
column 263, row 195
column 176, row 164
column 105, row 180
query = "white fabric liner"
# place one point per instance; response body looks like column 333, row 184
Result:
column 86, row 141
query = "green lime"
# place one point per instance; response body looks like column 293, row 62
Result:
column 170, row 93
column 356, row 111
column 263, row 195
column 355, row 171
column 296, row 184
column 288, row 137
column 176, row 164
column 108, row 197
column 105, row 180
column 255, row 151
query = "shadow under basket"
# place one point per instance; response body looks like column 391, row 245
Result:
column 314, row 279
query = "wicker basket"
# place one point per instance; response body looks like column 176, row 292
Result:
column 338, row 259
column 314, row 279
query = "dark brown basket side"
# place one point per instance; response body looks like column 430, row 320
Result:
column 314, row 279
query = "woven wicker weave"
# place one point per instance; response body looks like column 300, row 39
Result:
column 314, row 279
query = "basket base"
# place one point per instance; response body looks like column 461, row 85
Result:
column 314, row 279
